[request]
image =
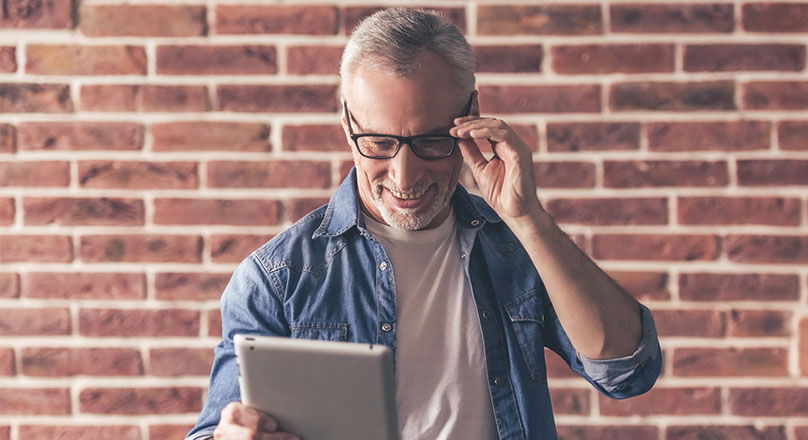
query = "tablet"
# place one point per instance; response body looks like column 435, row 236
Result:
column 320, row 390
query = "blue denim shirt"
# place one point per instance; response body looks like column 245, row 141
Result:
column 327, row 278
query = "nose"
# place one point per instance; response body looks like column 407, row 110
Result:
column 405, row 168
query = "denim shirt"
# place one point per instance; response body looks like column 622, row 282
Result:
column 327, row 278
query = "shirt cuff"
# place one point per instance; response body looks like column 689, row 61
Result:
column 610, row 373
column 201, row 435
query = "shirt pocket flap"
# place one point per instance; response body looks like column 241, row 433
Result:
column 527, row 307
column 321, row 331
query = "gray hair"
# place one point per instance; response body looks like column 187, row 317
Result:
column 394, row 38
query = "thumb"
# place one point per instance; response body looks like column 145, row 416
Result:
column 472, row 155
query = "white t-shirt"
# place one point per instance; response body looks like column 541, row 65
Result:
column 442, row 386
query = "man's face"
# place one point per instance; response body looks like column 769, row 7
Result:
column 405, row 192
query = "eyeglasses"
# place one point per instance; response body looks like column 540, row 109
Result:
column 386, row 146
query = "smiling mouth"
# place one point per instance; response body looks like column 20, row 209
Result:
column 408, row 195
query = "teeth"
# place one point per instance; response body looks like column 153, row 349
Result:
column 407, row 196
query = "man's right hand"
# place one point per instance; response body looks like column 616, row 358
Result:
column 240, row 422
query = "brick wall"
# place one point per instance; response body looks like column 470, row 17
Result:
column 147, row 148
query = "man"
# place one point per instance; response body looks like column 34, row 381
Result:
column 466, row 292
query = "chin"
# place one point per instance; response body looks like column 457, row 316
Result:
column 411, row 219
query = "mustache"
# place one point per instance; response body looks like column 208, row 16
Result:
column 418, row 187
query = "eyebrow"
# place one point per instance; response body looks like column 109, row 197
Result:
column 435, row 130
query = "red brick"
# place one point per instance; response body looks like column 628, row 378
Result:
column 594, row 136
column 8, row 59
column 772, row 172
column 278, row 98
column 730, row 362
column 214, row 318
column 144, row 98
column 138, row 174
column 725, row 432
column 643, row 285
column 346, row 166
column 792, row 401
column 181, row 361
column 529, row 134
column 738, row 287
column 138, row 323
column 52, row 362
column 34, row 401
column 777, row 211
column 525, row 58
column 35, row 98
column 803, row 349
column 53, row 136
column 210, row 136
column 9, row 285
column 244, row 19
column 141, row 248
column 168, row 432
column 674, row 247
column 743, row 57
column 54, row 14
column 269, row 174
column 570, row 401
column 216, row 60
column 690, row 323
column 539, row 20
column 8, row 138
column 556, row 367
column 34, row 322
column 660, row 173
column 7, row 367
column 143, row 20
column 5, row 433
column 564, row 174
column 101, row 432
column 320, row 137
column 607, row 432
column 140, row 401
column 659, row 400
column 83, row 211
column 297, row 208
column 791, row 135
column 672, row 18
column 352, row 15
column 610, row 211
column 582, row 98
column 232, row 248
column 8, row 211
column 82, row 285
column 313, row 60
column 759, row 323
column 36, row 248
column 85, row 60
column 612, row 58
column 801, row 432
column 775, row 17
column 190, row 286
column 673, row 96
column 701, row 136
column 216, row 212
column 34, row 173
column 775, row 95
column 772, row 249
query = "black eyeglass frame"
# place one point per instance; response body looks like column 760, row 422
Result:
column 402, row 139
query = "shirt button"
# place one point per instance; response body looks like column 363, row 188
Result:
column 499, row 381
column 475, row 222
column 383, row 266
column 462, row 255
column 486, row 314
column 386, row 327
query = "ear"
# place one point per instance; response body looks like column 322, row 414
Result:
column 475, row 103
column 344, row 123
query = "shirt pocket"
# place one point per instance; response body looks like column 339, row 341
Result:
column 526, row 316
column 321, row 331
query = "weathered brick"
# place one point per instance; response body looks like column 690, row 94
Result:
column 8, row 138
column 232, row 248
column 35, row 98
column 352, row 15
column 791, row 401
column 297, row 208
column 775, row 17
column 564, row 174
column 702, row 136
column 8, row 59
column 540, row 98
column 101, row 432
column 661, row 400
column 53, row 14
column 168, row 432
column 610, row 211
column 529, row 134
column 690, row 323
column 138, row 174
column 743, row 57
column 34, row 401
column 142, row 20
column 8, row 211
column 791, row 135
column 771, row 249
column 144, row 98
column 9, row 285
column 674, row 247
column 612, row 58
column 83, row 211
column 314, row 137
column 53, row 361
column 7, row 363
column 181, row 361
column 659, row 173
column 278, row 98
column 777, row 211
column 36, row 248
column 190, row 286
column 313, row 60
column 525, row 58
column 775, row 95
column 607, row 432
column 276, row 19
column 269, row 174
column 138, row 322
column 556, row 367
column 801, row 432
column 592, row 136
column 570, row 401
column 210, row 135
column 141, row 248
column 539, row 20
column 217, row 212
column 738, row 287
column 214, row 318
column 803, row 349
column 672, row 18
column 52, row 136
column 730, row 362
column 85, row 60
column 759, row 323
column 643, row 285
column 140, row 401
column 5, row 432
column 82, row 285
column 34, row 321
column 34, row 173
column 725, row 432
column 772, row 172
column 216, row 60
column 673, row 96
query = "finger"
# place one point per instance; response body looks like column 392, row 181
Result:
column 471, row 154
column 247, row 417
